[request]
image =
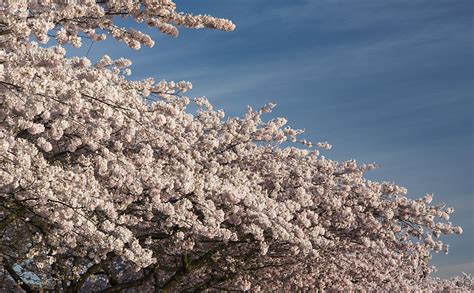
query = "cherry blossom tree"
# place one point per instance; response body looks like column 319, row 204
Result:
column 108, row 184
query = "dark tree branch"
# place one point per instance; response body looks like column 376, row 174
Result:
column 16, row 277
column 131, row 284
column 188, row 267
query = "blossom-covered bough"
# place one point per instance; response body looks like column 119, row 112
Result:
column 110, row 184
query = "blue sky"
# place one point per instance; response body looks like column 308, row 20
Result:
column 389, row 82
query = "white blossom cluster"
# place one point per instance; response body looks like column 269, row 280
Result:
column 95, row 20
column 111, row 184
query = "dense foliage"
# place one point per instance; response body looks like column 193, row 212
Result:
column 111, row 184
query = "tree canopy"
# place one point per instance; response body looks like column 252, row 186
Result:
column 109, row 184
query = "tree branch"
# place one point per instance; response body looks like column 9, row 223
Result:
column 131, row 284
column 16, row 277
column 7, row 220
column 188, row 267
